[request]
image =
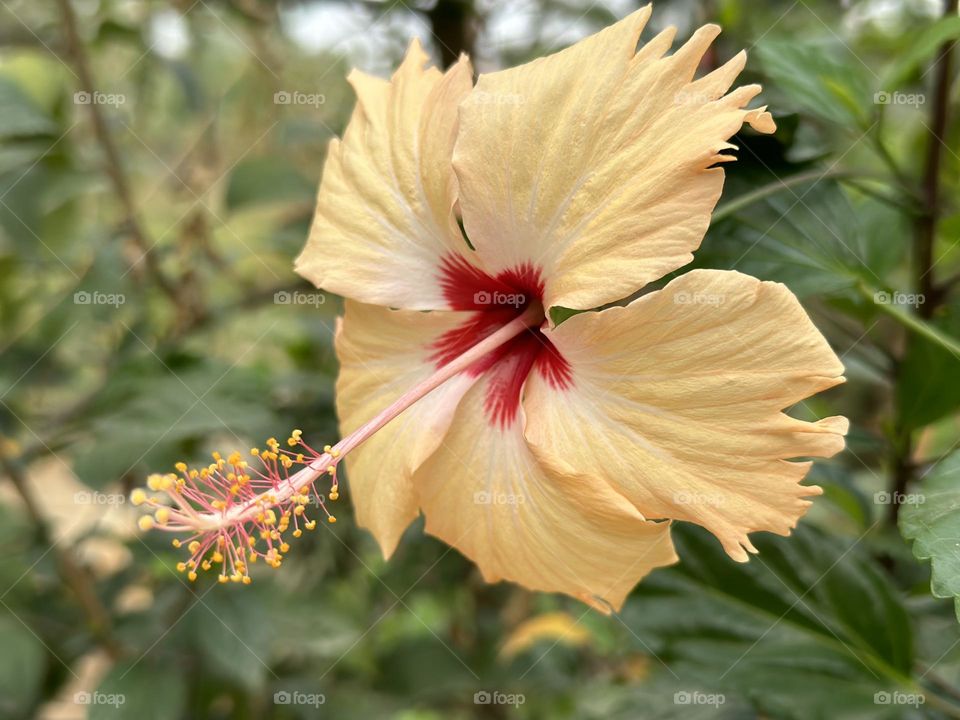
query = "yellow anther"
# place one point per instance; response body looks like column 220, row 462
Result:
column 138, row 496
column 331, row 519
column 191, row 576
column 310, row 524
column 298, row 510
column 246, row 580
column 216, row 456
column 193, row 546
column 284, row 547
column 153, row 481
column 217, row 556
column 218, row 505
column 181, row 567
column 162, row 515
column 181, row 466
column 206, row 565
column 176, row 542
column 234, row 458
column 221, row 578
column 194, row 474
column 334, row 495
column 145, row 522
column 297, row 533
column 254, row 451
column 327, row 448
column 300, row 458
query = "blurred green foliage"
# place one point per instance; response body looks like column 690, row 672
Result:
column 154, row 189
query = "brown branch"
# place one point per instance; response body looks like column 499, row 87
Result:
column 71, row 574
column 140, row 244
column 925, row 239
column 927, row 223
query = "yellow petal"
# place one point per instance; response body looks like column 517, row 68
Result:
column 384, row 214
column 676, row 402
column 383, row 353
column 595, row 163
column 484, row 493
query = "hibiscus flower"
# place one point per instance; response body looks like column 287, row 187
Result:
column 461, row 224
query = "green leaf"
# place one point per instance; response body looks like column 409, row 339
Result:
column 154, row 414
column 823, row 79
column 807, row 612
column 19, row 115
column 922, row 48
column 808, row 237
column 232, row 637
column 263, row 180
column 925, row 392
column 142, row 691
column 931, row 518
column 22, row 665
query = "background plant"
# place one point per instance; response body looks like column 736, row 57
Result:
column 158, row 164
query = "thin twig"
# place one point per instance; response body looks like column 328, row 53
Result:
column 118, row 178
column 72, row 575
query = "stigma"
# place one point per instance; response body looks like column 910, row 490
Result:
column 234, row 512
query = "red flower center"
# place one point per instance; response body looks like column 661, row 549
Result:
column 493, row 301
